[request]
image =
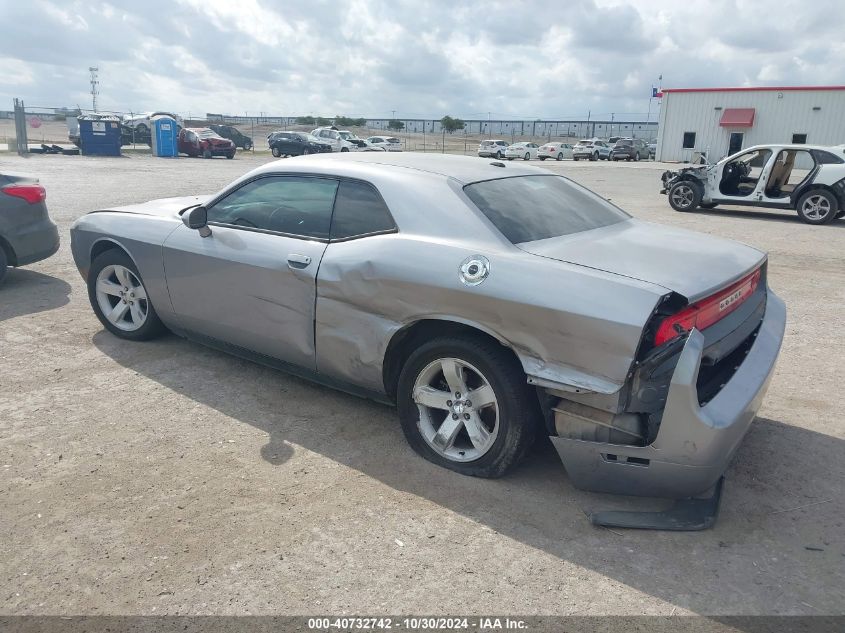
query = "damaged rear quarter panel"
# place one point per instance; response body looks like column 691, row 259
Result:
column 569, row 325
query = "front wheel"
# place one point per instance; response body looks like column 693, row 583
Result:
column 231, row 154
column 247, row 145
column 344, row 149
column 527, row 156
column 575, row 159
column 559, row 156
column 464, row 404
column 119, row 298
column 276, row 152
column 499, row 155
column 207, row 153
column 542, row 158
column 817, row 207
column 305, row 151
column 684, row 196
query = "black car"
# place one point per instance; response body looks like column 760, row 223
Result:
column 629, row 149
column 233, row 134
column 296, row 144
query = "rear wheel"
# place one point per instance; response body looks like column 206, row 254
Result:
column 817, row 207
column 305, row 151
column 464, row 404
column 527, row 156
column 684, row 196
column 120, row 299
column 595, row 156
column 542, row 158
column 575, row 159
column 559, row 156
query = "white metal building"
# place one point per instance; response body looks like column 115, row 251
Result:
column 722, row 121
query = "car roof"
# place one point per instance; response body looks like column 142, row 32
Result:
column 826, row 148
column 464, row 169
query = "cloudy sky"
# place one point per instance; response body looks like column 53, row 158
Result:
column 544, row 59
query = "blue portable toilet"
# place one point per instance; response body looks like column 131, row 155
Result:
column 99, row 135
column 165, row 132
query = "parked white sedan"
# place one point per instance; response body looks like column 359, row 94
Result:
column 525, row 151
column 388, row 143
column 558, row 151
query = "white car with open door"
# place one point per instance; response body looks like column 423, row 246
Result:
column 807, row 178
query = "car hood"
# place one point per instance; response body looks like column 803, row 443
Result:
column 167, row 207
column 692, row 264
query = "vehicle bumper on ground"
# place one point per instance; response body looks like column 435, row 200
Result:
column 34, row 242
column 620, row 155
column 516, row 154
column 583, row 154
column 694, row 444
column 488, row 154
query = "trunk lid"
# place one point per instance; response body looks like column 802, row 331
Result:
column 692, row 264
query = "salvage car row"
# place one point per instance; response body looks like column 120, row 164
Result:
column 615, row 148
column 326, row 140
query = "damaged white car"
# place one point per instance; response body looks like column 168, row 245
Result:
column 807, row 178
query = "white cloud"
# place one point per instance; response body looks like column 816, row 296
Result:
column 421, row 58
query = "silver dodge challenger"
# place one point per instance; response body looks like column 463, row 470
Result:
column 490, row 302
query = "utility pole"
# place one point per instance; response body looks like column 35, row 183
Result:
column 95, row 86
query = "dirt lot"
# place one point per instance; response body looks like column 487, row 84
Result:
column 167, row 478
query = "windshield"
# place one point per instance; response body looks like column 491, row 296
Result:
column 529, row 208
column 585, row 142
column 624, row 143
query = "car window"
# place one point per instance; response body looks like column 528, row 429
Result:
column 359, row 210
column 286, row 204
column 826, row 158
column 393, row 140
column 529, row 208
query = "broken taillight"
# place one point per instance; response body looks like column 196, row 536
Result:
column 31, row 193
column 704, row 313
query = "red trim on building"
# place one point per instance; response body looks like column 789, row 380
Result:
column 758, row 89
column 737, row 117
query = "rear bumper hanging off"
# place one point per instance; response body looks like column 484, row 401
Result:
column 694, row 444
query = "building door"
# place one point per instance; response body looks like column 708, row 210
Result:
column 735, row 144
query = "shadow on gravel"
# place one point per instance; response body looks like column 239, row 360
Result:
column 782, row 496
column 790, row 217
column 27, row 292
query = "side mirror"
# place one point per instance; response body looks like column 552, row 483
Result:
column 197, row 219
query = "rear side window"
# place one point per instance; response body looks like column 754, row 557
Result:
column 529, row 208
column 359, row 210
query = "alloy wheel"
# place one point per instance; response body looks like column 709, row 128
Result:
column 683, row 196
column 816, row 208
column 458, row 410
column 122, row 298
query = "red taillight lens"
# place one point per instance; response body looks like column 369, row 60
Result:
column 702, row 314
column 31, row 193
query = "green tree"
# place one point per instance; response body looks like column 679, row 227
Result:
column 451, row 125
column 322, row 121
column 395, row 124
column 305, row 120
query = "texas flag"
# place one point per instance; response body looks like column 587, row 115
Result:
column 656, row 93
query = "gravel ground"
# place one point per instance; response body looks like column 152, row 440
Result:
column 166, row 478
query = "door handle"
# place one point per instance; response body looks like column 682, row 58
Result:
column 298, row 261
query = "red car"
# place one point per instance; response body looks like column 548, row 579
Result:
column 205, row 142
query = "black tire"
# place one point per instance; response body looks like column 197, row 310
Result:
column 822, row 194
column 276, row 152
column 499, row 155
column 707, row 205
column 518, row 407
column 207, row 153
column 595, row 156
column 542, row 158
column 841, row 214
column 4, row 264
column 527, row 156
column 575, row 159
column 559, row 156
column 344, row 149
column 141, row 129
column 151, row 328
column 230, row 155
column 684, row 196
column 247, row 146
column 511, row 158
column 305, row 151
